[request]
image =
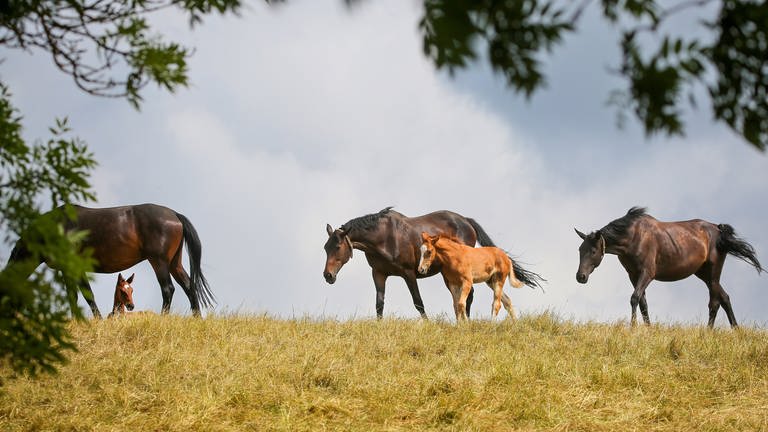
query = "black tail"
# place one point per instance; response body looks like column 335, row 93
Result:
column 729, row 243
column 194, row 249
column 482, row 236
column 527, row 277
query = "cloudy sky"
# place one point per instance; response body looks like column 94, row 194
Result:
column 311, row 113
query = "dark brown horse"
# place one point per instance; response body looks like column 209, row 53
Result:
column 121, row 237
column 666, row 251
column 391, row 243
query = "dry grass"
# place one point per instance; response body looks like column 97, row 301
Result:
column 238, row 373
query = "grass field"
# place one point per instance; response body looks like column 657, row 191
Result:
column 258, row 373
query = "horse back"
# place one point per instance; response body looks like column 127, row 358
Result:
column 121, row 237
column 443, row 222
column 679, row 248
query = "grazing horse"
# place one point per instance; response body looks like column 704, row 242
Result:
column 391, row 243
column 462, row 266
column 123, row 296
column 121, row 237
column 666, row 251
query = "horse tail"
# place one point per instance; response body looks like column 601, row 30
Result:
column 731, row 244
column 482, row 236
column 514, row 282
column 527, row 277
column 199, row 284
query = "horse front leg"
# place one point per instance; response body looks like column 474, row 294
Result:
column 413, row 287
column 379, row 281
column 466, row 288
column 640, row 282
column 85, row 289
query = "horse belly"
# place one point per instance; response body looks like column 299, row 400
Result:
column 114, row 254
column 673, row 267
column 481, row 273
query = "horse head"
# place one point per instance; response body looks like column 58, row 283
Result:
column 591, row 253
column 338, row 250
column 123, row 294
column 427, row 252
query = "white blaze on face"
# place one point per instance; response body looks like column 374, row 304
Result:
column 423, row 251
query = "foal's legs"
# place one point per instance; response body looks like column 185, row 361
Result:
column 85, row 289
column 507, row 302
column 461, row 307
column 164, row 279
column 496, row 285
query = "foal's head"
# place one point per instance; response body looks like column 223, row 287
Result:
column 123, row 293
column 591, row 253
column 427, row 252
column 338, row 250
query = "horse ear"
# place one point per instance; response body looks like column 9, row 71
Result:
column 600, row 243
column 328, row 229
column 581, row 234
column 130, row 279
column 120, row 277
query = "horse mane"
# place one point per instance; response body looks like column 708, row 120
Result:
column 617, row 229
column 367, row 222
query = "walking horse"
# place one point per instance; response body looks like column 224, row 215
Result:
column 649, row 249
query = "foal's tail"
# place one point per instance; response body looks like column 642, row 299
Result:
column 194, row 249
column 729, row 243
column 514, row 282
column 527, row 277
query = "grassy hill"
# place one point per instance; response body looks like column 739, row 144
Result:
column 259, row 373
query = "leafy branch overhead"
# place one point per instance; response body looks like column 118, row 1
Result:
column 732, row 65
column 107, row 47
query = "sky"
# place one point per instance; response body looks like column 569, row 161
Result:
column 312, row 113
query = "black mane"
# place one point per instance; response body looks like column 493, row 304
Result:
column 367, row 222
column 617, row 229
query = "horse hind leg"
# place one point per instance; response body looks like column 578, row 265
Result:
column 497, row 299
column 182, row 278
column 164, row 279
column 717, row 295
column 496, row 285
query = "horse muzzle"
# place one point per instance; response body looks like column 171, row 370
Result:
column 329, row 277
column 582, row 278
column 129, row 306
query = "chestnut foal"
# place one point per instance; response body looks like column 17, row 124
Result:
column 123, row 295
column 463, row 265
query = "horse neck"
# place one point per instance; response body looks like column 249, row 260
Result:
column 369, row 240
column 617, row 245
column 118, row 305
